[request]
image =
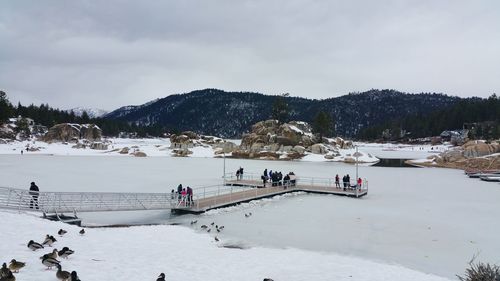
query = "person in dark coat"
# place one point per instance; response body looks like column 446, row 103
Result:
column 189, row 195
column 179, row 191
column 348, row 180
column 337, row 181
column 34, row 192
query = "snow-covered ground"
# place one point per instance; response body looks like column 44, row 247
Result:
column 156, row 147
column 141, row 253
column 403, row 151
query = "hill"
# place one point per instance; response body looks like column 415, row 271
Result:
column 230, row 114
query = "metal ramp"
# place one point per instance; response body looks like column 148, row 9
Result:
column 76, row 202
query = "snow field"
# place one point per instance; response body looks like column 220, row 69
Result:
column 141, row 253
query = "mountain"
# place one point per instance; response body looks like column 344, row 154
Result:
column 92, row 112
column 229, row 114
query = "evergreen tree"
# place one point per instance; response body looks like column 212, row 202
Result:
column 6, row 109
column 280, row 109
column 322, row 125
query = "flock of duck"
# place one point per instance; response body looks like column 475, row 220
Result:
column 49, row 259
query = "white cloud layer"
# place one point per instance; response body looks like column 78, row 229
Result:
column 113, row 53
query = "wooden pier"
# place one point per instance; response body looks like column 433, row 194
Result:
column 248, row 189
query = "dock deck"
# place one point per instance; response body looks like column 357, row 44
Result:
column 248, row 189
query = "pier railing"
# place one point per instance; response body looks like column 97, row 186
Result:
column 300, row 180
column 59, row 202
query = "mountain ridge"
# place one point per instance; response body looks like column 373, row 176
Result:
column 230, row 114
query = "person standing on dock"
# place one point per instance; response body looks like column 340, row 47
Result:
column 179, row 191
column 348, row 181
column 34, row 192
column 241, row 173
column 189, row 195
column 337, row 181
column 360, row 182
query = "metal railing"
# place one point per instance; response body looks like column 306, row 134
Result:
column 59, row 202
column 63, row 202
column 300, row 180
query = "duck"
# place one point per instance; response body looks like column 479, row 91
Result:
column 221, row 227
column 208, row 230
column 53, row 255
column 50, row 262
column 247, row 215
column 204, row 226
column 8, row 277
column 194, row 222
column 61, row 232
column 161, row 277
column 61, row 274
column 82, row 232
column 66, row 252
column 74, row 276
column 49, row 240
column 212, row 224
column 4, row 271
column 14, row 265
column 34, row 245
column 217, row 239
column 268, row 279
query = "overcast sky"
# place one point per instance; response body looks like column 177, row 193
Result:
column 106, row 54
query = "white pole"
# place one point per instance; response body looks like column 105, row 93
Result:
column 224, row 169
column 356, row 164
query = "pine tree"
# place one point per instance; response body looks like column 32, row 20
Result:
column 322, row 124
column 280, row 109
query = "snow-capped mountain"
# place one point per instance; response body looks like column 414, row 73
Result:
column 92, row 112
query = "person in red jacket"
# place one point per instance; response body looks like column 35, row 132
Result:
column 360, row 182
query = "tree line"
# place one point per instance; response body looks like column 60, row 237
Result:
column 48, row 116
column 482, row 116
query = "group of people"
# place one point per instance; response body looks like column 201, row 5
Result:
column 239, row 174
column 184, row 195
column 346, row 182
column 276, row 178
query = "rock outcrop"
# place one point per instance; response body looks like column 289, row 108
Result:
column 288, row 141
column 472, row 155
column 181, row 143
column 67, row 131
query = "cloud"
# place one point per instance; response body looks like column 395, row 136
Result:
column 114, row 53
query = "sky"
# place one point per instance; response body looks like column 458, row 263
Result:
column 106, row 54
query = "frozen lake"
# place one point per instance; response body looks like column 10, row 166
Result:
column 432, row 220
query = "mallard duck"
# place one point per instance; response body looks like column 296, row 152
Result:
column 61, row 232
column 82, row 232
column 4, row 271
column 14, row 265
column 65, row 252
column 8, row 277
column 217, row 239
column 204, row 226
column 53, row 255
column 49, row 240
column 62, row 275
column 161, row 277
column 34, row 245
column 50, row 262
column 74, row 276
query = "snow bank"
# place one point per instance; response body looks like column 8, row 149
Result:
column 141, row 253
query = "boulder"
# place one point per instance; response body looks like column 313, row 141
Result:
column 480, row 149
column 191, row 135
column 181, row 152
column 299, row 149
column 124, row 150
column 452, row 156
column 319, row 148
column 139, row 154
column 99, row 146
column 68, row 131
